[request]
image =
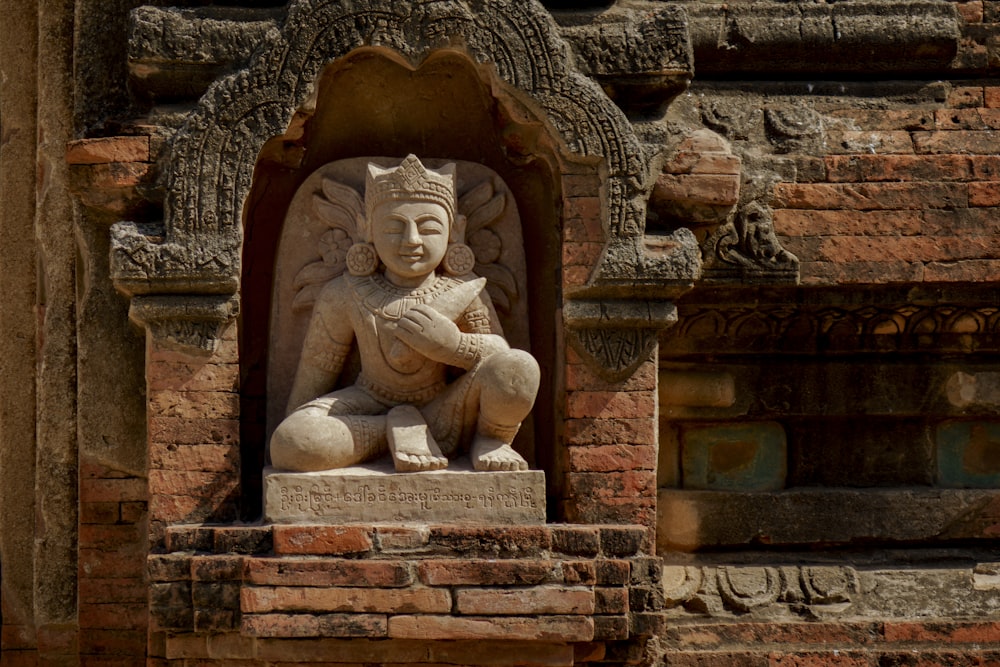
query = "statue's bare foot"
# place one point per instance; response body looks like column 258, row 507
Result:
column 490, row 454
column 410, row 441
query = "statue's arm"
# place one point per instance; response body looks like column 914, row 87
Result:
column 480, row 333
column 327, row 344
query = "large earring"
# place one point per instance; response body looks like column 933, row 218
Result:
column 458, row 259
column 362, row 260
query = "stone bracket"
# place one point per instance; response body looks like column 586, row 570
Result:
column 193, row 324
column 615, row 336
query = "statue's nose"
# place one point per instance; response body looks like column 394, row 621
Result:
column 412, row 234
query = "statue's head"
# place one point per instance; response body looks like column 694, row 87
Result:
column 411, row 217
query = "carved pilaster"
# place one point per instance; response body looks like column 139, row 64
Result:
column 193, row 324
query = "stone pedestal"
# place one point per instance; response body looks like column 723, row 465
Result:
column 374, row 493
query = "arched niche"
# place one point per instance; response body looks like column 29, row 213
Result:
column 371, row 102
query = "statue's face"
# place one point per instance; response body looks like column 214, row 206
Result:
column 410, row 237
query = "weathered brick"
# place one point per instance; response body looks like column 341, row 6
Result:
column 169, row 567
column 870, row 196
column 170, row 594
column 875, row 168
column 610, row 404
column 120, row 589
column 611, row 458
column 580, row 572
column 838, row 658
column 216, row 568
column 108, row 149
column 630, row 484
column 967, row 119
column 113, row 490
column 591, row 509
column 356, row 600
column 327, row 572
column 984, row 194
column 186, row 431
column 450, row 572
column 868, row 141
column 612, row 572
column 907, row 249
column 887, row 119
column 309, row 625
column 113, row 642
column 322, row 540
column 194, row 404
column 216, row 620
column 591, row 431
column 957, row 141
column 179, row 376
column 610, row 628
column 230, row 645
column 103, row 512
column 544, row 628
column 216, row 594
column 124, row 560
column 608, row 600
column 522, row 601
column 581, row 376
column 575, row 540
column 196, row 458
column 504, row 542
column 117, row 616
column 972, row 271
column 401, row 538
column 581, row 254
column 242, row 539
column 831, row 273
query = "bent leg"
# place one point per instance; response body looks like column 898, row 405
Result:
column 338, row 430
column 508, row 383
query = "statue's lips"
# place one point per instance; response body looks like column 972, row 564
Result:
column 411, row 257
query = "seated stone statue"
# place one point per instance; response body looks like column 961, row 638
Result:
column 419, row 318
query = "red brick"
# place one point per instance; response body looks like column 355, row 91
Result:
column 837, row 658
column 112, row 490
column 186, row 508
column 450, row 572
column 192, row 483
column 582, row 377
column 217, row 568
column 609, row 458
column 871, row 196
column 631, row 484
column 308, row 625
column 984, row 194
column 907, row 249
column 811, row 223
column 832, row 273
column 125, row 561
column 582, row 223
column 610, row 404
column 579, row 572
column 971, row 271
column 589, row 431
column 992, row 97
column 941, row 632
column 962, row 97
column 521, row 601
column 56, row 641
column 971, row 11
column 108, row 149
column 325, row 599
column 544, row 628
column 113, row 642
column 710, row 189
column 327, row 572
column 581, row 185
column 962, row 222
column 184, row 431
column 576, row 540
column 887, row 119
column 104, row 512
column 709, row 635
column 610, row 628
column 957, row 141
column 581, row 254
column 134, row 511
column 967, row 119
column 95, row 591
column 109, row 536
column 504, row 542
column 113, row 616
column 703, row 162
column 589, row 509
column 111, row 178
column 874, row 168
column 401, row 538
column 868, row 141
column 609, row 600
column 194, row 404
column 576, row 276
column 322, row 540
column 179, row 376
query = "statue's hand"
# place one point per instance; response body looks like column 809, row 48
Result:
column 429, row 332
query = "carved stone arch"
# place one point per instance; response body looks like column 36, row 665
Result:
column 209, row 170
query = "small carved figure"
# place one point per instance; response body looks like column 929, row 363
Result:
column 419, row 317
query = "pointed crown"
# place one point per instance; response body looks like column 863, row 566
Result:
column 411, row 180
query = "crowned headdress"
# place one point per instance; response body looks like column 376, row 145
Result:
column 411, row 180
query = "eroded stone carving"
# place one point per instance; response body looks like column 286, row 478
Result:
column 437, row 375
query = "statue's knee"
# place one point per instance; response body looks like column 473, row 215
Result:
column 305, row 442
column 512, row 376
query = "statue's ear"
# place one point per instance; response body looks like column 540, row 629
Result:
column 457, row 234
